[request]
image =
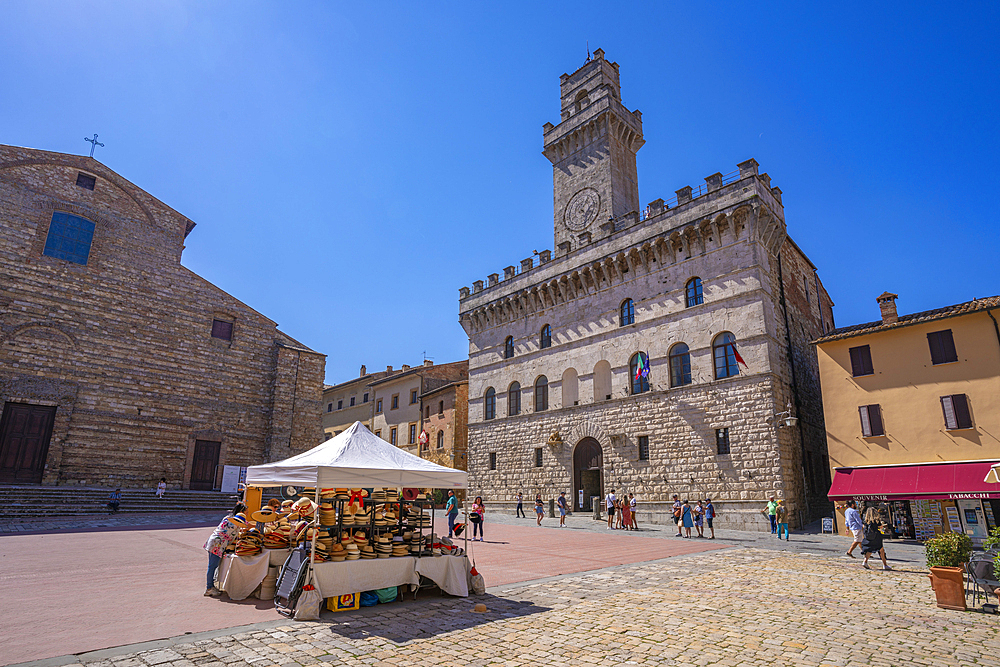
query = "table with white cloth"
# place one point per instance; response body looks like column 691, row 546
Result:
column 450, row 573
column 239, row 576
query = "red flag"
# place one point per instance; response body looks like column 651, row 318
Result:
column 739, row 359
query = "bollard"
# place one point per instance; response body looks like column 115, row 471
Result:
column 595, row 503
column 552, row 508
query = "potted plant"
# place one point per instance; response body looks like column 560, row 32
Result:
column 946, row 557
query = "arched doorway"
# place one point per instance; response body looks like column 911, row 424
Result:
column 588, row 476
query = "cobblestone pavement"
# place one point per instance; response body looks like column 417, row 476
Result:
column 740, row 606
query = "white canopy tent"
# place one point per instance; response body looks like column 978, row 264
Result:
column 357, row 458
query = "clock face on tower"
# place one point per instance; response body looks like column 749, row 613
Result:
column 582, row 209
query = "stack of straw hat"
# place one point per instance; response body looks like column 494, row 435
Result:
column 383, row 546
column 250, row 543
column 327, row 514
column 399, row 547
column 353, row 552
column 367, row 552
column 338, row 553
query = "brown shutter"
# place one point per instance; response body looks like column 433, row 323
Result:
column 949, row 412
column 875, row 416
column 948, row 346
column 963, row 417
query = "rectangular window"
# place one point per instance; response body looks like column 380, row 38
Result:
column 340, row 404
column 364, row 399
column 395, row 402
column 871, row 420
column 86, row 181
column 861, row 361
column 352, row 401
column 378, row 434
column 413, row 396
column 493, row 460
column 643, row 447
column 538, row 457
column 378, row 406
column 722, row 440
column 413, row 434
column 329, row 407
column 942, row 347
column 392, row 436
column 440, row 407
column 222, row 330
column 69, row 238
column 956, row 411
column 427, row 412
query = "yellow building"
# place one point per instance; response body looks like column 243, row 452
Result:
column 912, row 411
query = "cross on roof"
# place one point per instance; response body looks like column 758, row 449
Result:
column 94, row 143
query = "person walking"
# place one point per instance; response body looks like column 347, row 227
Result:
column 781, row 516
column 852, row 517
column 769, row 511
column 221, row 538
column 677, row 507
column 626, row 513
column 539, row 510
column 710, row 515
column 631, row 509
column 478, row 517
column 561, row 502
column 872, row 542
column 686, row 520
column 161, row 488
column 699, row 518
column 609, row 503
column 451, row 509
column 520, row 506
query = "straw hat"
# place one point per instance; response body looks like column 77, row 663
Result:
column 265, row 515
column 240, row 520
column 304, row 506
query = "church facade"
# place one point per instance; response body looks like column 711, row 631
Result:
column 657, row 350
column 118, row 365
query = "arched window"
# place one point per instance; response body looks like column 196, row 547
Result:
column 638, row 369
column 541, row 393
column 724, row 353
column 680, row 365
column 440, row 439
column 693, row 292
column 582, row 99
column 545, row 340
column 490, row 404
column 570, row 388
column 602, row 381
column 514, row 399
column 627, row 313
column 508, row 348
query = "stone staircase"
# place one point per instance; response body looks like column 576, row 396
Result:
column 30, row 501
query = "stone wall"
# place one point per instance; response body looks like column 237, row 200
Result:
column 123, row 346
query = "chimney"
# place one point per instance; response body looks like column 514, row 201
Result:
column 428, row 362
column 364, row 371
column 388, row 369
column 887, row 304
column 405, row 367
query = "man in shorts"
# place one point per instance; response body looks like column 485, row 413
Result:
column 561, row 502
column 852, row 517
column 609, row 503
column 677, row 514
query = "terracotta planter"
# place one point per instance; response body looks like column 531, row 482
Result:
column 949, row 587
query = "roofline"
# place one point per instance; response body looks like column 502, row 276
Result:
column 442, row 388
column 366, row 376
column 416, row 370
column 877, row 326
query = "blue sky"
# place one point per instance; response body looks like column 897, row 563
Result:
column 351, row 165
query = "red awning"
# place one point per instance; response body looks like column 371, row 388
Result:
column 947, row 481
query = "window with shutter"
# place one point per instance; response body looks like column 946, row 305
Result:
column 942, row 346
column 871, row 420
column 956, row 412
column 222, row 329
column 861, row 361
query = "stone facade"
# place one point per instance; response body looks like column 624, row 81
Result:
column 755, row 284
column 446, row 423
column 121, row 345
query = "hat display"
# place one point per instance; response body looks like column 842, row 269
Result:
column 265, row 515
column 304, row 507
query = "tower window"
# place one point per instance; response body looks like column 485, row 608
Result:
column 538, row 457
column 722, row 441
column 490, row 404
column 627, row 313
column 541, row 394
column 508, row 348
column 643, row 447
column 680, row 365
column 493, row 460
column 514, row 399
column 724, row 352
column 693, row 293
column 545, row 340
column 638, row 367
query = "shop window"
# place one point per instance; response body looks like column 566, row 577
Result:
column 222, row 330
column 956, row 412
column 871, row 420
column 638, row 368
column 680, row 365
column 545, row 340
column 69, row 238
column 724, row 354
column 643, row 447
column 413, row 396
column 514, row 399
column 627, row 313
column 693, row 293
column 541, row 394
column 493, row 460
column 942, row 346
column 440, row 439
column 861, row 361
column 490, row 404
column 722, row 441
column 538, row 457
column 508, row 348
column 392, row 436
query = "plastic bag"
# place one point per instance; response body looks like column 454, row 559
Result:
column 387, row 594
column 308, row 605
column 369, row 599
column 477, row 585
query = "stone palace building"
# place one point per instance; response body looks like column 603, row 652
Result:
column 615, row 362
column 118, row 365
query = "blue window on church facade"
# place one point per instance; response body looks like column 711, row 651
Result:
column 69, row 238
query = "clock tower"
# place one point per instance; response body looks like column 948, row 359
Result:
column 592, row 151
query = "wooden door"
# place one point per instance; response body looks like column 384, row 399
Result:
column 25, row 431
column 588, row 462
column 206, row 459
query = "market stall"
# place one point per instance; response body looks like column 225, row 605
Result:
column 357, row 541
